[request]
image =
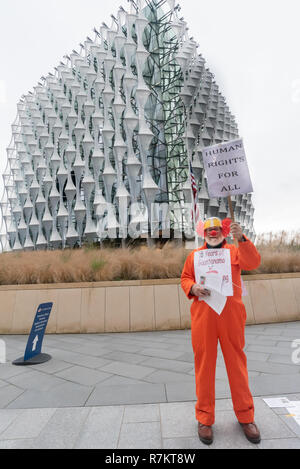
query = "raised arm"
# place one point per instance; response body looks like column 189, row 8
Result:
column 249, row 257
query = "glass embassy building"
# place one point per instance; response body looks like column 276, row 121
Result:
column 101, row 148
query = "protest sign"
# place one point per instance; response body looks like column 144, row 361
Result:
column 227, row 169
column 213, row 270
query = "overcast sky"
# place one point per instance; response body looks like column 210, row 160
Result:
column 252, row 47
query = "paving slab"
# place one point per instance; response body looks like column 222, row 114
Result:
column 156, row 426
column 128, row 370
column 184, row 443
column 81, row 375
column 269, row 422
column 186, row 357
column 142, row 413
column 159, row 345
column 134, row 390
column 170, row 365
column 256, row 340
column 124, row 347
column 127, row 394
column 64, row 395
column 3, row 383
column 177, row 392
column 144, row 435
column 275, row 384
column 260, row 356
column 35, row 380
column 74, row 358
column 286, row 344
column 116, row 380
column 269, row 349
column 93, row 350
column 9, row 394
column 16, row 444
column 292, row 333
column 62, row 429
column 272, row 367
column 53, row 366
column 7, row 416
column 178, row 420
column 280, row 358
column 87, row 361
column 163, row 376
column 291, row 423
column 227, row 430
column 289, row 443
column 101, row 429
column 161, row 353
column 123, row 357
column 277, row 338
column 28, row 424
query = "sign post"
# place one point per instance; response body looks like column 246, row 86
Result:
column 33, row 352
column 232, row 216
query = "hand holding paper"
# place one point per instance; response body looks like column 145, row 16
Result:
column 213, row 271
column 200, row 291
column 216, row 301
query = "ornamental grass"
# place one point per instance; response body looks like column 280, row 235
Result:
column 280, row 253
column 91, row 265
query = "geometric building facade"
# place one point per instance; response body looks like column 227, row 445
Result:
column 102, row 147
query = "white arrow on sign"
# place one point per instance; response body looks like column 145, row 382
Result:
column 35, row 341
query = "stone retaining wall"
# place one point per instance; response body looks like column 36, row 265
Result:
column 137, row 305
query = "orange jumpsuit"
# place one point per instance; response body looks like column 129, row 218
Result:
column 207, row 327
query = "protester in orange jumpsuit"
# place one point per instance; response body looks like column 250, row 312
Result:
column 207, row 327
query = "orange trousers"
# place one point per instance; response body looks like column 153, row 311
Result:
column 207, row 329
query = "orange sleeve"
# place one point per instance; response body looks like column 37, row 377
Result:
column 249, row 257
column 188, row 276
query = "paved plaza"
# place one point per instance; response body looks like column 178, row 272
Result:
column 137, row 390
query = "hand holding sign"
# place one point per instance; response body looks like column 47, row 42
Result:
column 236, row 231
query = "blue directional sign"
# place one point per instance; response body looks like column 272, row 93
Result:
column 36, row 337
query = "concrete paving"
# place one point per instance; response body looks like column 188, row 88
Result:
column 137, row 391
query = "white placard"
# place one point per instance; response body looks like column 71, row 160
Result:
column 227, row 169
column 214, row 265
column 216, row 301
column 213, row 271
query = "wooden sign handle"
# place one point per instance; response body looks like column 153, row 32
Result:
column 232, row 217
